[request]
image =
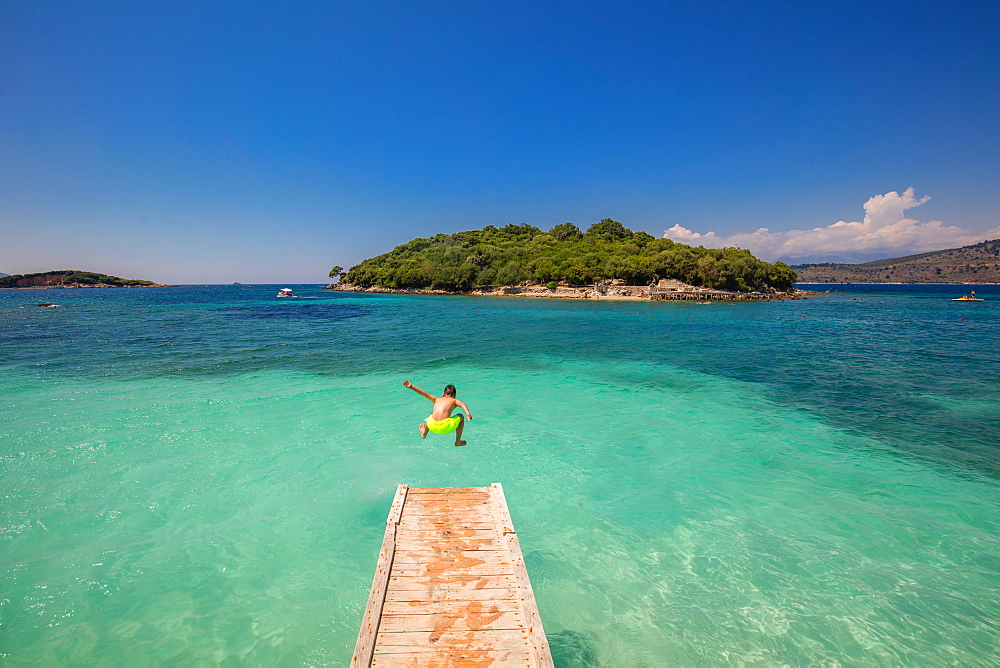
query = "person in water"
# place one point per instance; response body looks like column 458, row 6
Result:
column 441, row 421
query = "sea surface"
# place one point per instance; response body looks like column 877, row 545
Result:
column 200, row 475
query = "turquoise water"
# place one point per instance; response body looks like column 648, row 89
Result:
column 200, row 475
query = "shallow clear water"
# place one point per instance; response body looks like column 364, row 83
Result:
column 201, row 474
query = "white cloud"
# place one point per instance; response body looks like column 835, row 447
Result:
column 884, row 231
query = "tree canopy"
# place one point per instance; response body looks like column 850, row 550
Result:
column 514, row 254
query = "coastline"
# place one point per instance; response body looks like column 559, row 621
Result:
column 80, row 285
column 625, row 293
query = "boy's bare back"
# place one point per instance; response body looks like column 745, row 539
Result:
column 443, row 406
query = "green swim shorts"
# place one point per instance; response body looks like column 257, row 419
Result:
column 445, row 426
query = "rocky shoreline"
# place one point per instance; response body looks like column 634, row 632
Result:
column 607, row 292
column 81, row 285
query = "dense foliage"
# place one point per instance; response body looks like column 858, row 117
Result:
column 67, row 276
column 514, row 254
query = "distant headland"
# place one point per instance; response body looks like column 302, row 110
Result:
column 73, row 278
column 605, row 261
column 978, row 263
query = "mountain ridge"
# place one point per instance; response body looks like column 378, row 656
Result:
column 976, row 263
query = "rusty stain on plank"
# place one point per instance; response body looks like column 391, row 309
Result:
column 450, row 586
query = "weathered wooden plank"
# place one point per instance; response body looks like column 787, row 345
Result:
column 458, row 620
column 425, row 607
column 452, row 531
column 539, row 643
column 446, row 574
column 452, row 543
column 498, row 506
column 435, row 502
column 429, row 492
column 470, row 520
column 456, row 562
column 440, row 658
column 454, row 558
column 424, row 582
column 430, row 596
column 449, row 499
column 447, row 544
column 454, row 517
column 483, row 494
column 396, row 509
column 427, row 524
column 459, row 659
column 470, row 512
column 365, row 644
column 436, row 520
column 435, row 547
column 449, row 490
column 479, row 537
column 415, row 641
column 464, row 512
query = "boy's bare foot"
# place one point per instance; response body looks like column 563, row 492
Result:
column 423, row 430
column 459, row 444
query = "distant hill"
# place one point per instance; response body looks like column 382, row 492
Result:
column 979, row 263
column 72, row 278
column 3, row 274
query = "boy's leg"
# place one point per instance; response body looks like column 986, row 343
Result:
column 422, row 429
column 458, row 431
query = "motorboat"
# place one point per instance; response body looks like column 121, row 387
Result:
column 966, row 298
column 285, row 292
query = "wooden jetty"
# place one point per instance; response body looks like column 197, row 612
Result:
column 450, row 587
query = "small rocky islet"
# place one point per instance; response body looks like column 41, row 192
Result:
column 73, row 278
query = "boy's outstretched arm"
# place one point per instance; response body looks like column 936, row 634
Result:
column 461, row 404
column 416, row 389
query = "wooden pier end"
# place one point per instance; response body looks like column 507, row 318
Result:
column 450, row 586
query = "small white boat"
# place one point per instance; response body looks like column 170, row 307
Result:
column 285, row 292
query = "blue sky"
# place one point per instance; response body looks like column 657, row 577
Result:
column 212, row 142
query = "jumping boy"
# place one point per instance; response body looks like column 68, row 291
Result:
column 441, row 421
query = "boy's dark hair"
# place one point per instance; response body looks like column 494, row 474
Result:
column 449, row 390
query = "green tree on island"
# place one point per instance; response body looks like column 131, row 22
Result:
column 514, row 254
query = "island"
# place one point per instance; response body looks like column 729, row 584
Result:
column 607, row 260
column 73, row 278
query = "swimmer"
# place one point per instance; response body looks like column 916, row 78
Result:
column 441, row 421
